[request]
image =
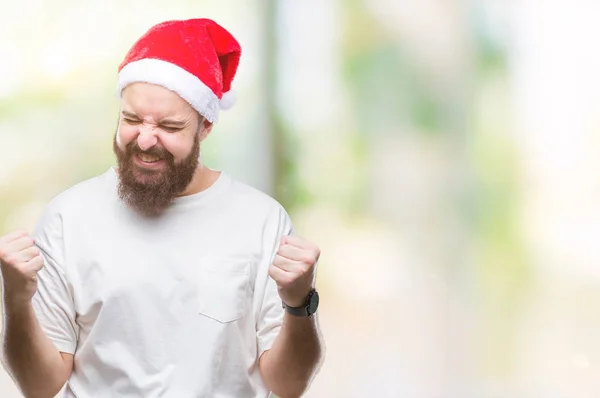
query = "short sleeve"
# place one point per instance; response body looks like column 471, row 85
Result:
column 53, row 302
column 268, row 305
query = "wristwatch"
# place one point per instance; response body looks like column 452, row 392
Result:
column 309, row 307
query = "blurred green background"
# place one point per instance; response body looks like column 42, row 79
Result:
column 444, row 154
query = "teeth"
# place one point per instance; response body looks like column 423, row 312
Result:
column 149, row 158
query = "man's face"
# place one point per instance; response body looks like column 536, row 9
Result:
column 157, row 146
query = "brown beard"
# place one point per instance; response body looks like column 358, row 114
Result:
column 150, row 192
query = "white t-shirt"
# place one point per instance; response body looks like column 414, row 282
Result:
column 179, row 306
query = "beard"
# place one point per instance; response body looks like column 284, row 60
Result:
column 150, row 192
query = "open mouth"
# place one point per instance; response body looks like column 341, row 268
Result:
column 148, row 159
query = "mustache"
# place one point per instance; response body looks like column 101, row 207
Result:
column 134, row 149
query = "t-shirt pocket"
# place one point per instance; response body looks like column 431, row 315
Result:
column 223, row 290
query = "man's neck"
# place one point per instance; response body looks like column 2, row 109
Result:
column 203, row 179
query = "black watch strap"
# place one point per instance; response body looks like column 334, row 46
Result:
column 309, row 308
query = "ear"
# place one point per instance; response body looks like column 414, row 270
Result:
column 205, row 129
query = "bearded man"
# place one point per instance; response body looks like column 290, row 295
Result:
column 163, row 277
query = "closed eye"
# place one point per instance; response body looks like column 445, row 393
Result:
column 172, row 129
column 131, row 121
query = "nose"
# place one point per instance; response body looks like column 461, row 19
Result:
column 147, row 138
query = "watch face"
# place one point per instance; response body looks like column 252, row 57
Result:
column 314, row 303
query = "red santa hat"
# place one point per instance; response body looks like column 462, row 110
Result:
column 196, row 58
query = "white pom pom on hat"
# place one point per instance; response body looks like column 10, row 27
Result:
column 196, row 58
column 228, row 100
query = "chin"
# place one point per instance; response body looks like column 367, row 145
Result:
column 145, row 176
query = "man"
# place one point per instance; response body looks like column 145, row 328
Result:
column 162, row 277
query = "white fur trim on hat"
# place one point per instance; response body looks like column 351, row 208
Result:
column 174, row 78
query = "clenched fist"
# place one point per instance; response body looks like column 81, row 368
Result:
column 294, row 269
column 20, row 261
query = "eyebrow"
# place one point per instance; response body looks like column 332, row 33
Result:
column 174, row 123
column 130, row 115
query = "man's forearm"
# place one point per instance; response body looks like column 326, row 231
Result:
column 29, row 356
column 293, row 360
